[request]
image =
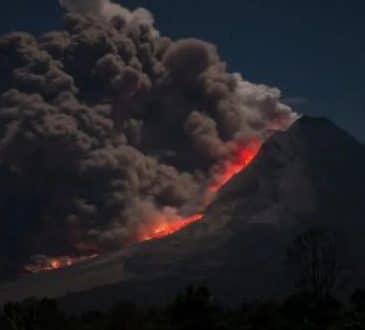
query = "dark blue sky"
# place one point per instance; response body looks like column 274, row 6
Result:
column 313, row 50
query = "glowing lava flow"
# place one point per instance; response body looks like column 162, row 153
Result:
column 165, row 225
column 223, row 173
column 44, row 264
column 238, row 163
column 167, row 228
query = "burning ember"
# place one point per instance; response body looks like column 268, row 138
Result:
column 43, row 263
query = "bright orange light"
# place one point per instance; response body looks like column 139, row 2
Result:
column 227, row 170
column 223, row 173
column 167, row 224
column 45, row 264
column 164, row 228
column 55, row 264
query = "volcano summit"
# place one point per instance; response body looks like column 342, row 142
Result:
column 308, row 176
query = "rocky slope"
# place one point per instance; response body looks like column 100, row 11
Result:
column 312, row 174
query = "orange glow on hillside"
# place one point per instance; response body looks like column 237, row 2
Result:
column 164, row 228
column 48, row 264
column 227, row 170
column 162, row 224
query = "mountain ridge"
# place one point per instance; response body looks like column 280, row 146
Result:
column 309, row 175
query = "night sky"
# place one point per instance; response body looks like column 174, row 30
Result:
column 314, row 51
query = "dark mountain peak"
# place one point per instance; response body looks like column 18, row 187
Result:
column 312, row 174
column 317, row 133
column 310, row 121
column 325, row 148
column 313, row 165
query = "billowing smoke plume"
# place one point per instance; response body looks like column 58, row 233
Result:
column 108, row 10
column 106, row 126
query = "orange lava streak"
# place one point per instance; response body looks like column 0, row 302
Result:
column 228, row 169
column 166, row 225
column 49, row 264
column 223, row 173
column 167, row 228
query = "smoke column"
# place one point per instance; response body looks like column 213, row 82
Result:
column 111, row 133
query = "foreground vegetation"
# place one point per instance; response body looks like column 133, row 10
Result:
column 315, row 266
column 195, row 309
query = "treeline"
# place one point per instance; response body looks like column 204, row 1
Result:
column 195, row 309
column 316, row 268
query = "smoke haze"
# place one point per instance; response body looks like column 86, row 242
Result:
column 106, row 128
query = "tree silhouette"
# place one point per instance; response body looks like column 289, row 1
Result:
column 358, row 299
column 33, row 314
column 314, row 259
column 194, row 309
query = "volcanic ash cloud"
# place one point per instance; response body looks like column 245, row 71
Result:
column 105, row 120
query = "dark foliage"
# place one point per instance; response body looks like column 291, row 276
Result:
column 314, row 259
column 195, row 308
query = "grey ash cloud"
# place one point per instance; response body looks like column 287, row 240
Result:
column 107, row 122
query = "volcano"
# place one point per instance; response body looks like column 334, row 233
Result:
column 310, row 175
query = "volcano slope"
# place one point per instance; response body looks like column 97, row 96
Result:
column 311, row 175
